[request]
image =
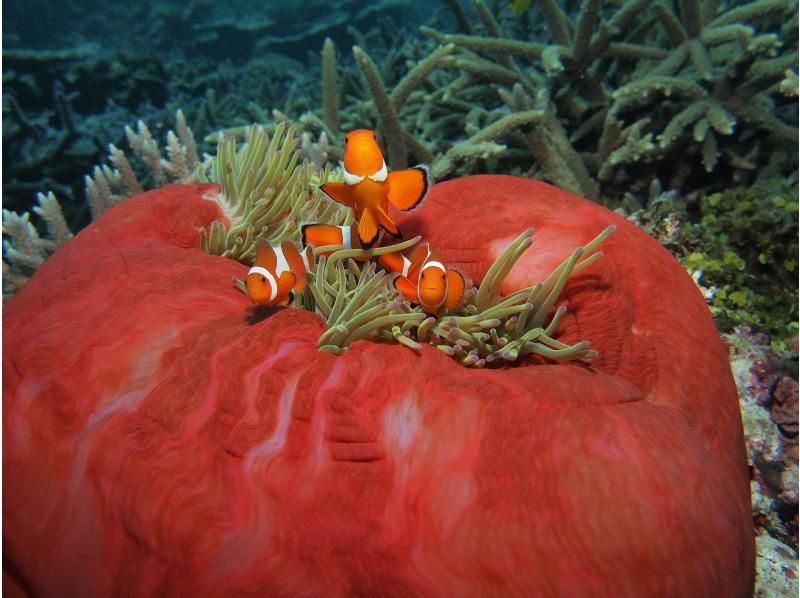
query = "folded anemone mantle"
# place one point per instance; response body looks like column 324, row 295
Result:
column 156, row 440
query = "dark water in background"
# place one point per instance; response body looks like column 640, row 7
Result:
column 75, row 73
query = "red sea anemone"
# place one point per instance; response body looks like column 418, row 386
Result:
column 159, row 441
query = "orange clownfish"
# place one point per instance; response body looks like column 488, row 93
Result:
column 368, row 186
column 319, row 235
column 277, row 272
column 424, row 279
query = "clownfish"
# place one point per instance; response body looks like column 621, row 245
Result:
column 368, row 186
column 319, row 235
column 424, row 279
column 278, row 272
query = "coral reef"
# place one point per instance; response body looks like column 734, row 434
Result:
column 218, row 439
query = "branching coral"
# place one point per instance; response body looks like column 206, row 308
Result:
column 602, row 83
column 24, row 250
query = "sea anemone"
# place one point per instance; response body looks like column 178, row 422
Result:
column 160, row 440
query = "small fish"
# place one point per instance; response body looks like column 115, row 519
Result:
column 278, row 272
column 368, row 186
column 320, row 235
column 424, row 279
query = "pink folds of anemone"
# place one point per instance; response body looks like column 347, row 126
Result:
column 157, row 441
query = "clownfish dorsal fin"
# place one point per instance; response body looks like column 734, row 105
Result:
column 394, row 262
column 418, row 256
column 265, row 256
column 455, row 289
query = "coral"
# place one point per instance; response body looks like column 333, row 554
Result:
column 171, row 422
column 631, row 85
column 24, row 249
column 330, row 100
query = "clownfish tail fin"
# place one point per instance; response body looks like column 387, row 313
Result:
column 407, row 188
column 304, row 226
column 393, row 262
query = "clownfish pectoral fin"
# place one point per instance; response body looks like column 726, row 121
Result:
column 339, row 192
column 386, row 223
column 367, row 228
column 407, row 188
column 286, row 300
column 299, row 261
column 455, row 289
column 286, row 282
column 407, row 288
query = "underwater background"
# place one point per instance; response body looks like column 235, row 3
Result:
column 682, row 116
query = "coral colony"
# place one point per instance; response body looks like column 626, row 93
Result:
column 562, row 359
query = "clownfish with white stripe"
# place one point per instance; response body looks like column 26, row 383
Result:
column 278, row 272
column 424, row 280
column 320, row 235
column 369, row 187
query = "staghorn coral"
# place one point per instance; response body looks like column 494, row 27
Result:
column 24, row 249
column 723, row 74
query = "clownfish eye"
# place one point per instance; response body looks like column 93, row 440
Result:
column 263, row 279
column 375, row 137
